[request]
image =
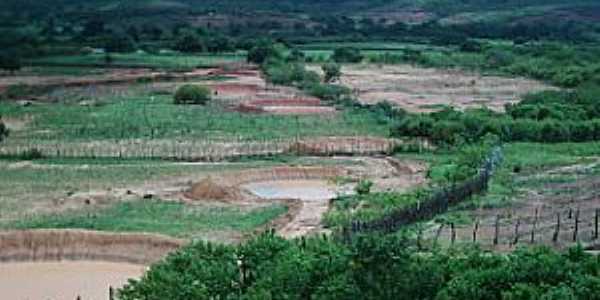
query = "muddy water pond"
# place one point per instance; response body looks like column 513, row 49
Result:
column 63, row 280
column 295, row 189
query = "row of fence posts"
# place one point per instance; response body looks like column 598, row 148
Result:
column 198, row 150
column 111, row 294
column 439, row 202
column 517, row 234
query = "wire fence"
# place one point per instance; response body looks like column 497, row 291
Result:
column 438, row 203
column 207, row 149
column 559, row 228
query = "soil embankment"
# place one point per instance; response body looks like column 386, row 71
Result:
column 82, row 245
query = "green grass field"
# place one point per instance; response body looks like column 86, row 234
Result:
column 167, row 61
column 143, row 116
column 155, row 216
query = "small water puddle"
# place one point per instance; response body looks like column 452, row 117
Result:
column 64, row 280
column 308, row 190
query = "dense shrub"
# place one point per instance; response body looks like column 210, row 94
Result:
column 3, row 130
column 363, row 187
column 10, row 61
column 31, row 154
column 290, row 74
column 332, row 72
column 264, row 50
column 369, row 267
column 119, row 42
column 192, row 94
column 189, row 42
column 347, row 55
column 551, row 116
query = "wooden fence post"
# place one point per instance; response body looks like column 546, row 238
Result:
column 452, row 234
column 437, row 235
column 534, row 227
column 576, row 230
column 570, row 213
column 496, row 230
column 596, row 223
column 557, row 231
column 475, row 229
column 419, row 237
column 516, row 239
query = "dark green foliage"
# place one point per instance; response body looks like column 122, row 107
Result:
column 363, row 187
column 10, row 61
column 332, row 72
column 189, row 42
column 192, row 94
column 119, row 42
column 552, row 117
column 471, row 45
column 31, row 154
column 369, row 267
column 263, row 50
column 296, row 56
column 3, row 130
column 347, row 55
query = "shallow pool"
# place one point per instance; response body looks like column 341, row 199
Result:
column 293, row 189
column 63, row 280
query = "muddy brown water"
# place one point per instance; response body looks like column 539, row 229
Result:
column 64, row 280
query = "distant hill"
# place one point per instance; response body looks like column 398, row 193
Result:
column 290, row 18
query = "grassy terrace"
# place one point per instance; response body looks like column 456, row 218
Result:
column 168, row 61
column 155, row 216
column 137, row 116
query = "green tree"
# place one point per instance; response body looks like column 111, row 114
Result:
column 189, row 42
column 264, row 50
column 347, row 55
column 3, row 130
column 192, row 94
column 332, row 72
column 10, row 61
column 119, row 42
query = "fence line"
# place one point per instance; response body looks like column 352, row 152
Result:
column 438, row 203
column 203, row 149
column 557, row 228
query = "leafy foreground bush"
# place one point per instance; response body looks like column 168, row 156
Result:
column 3, row 130
column 270, row 267
column 192, row 94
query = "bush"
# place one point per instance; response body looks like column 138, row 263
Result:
column 347, row 55
column 263, row 51
column 368, row 267
column 10, row 61
column 192, row 94
column 363, row 187
column 31, row 154
column 189, row 42
column 3, row 130
column 332, row 72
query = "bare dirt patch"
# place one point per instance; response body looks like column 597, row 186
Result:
column 419, row 89
column 286, row 106
column 208, row 189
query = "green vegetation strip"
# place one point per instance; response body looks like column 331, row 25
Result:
column 155, row 216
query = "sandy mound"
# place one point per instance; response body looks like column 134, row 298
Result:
column 208, row 189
